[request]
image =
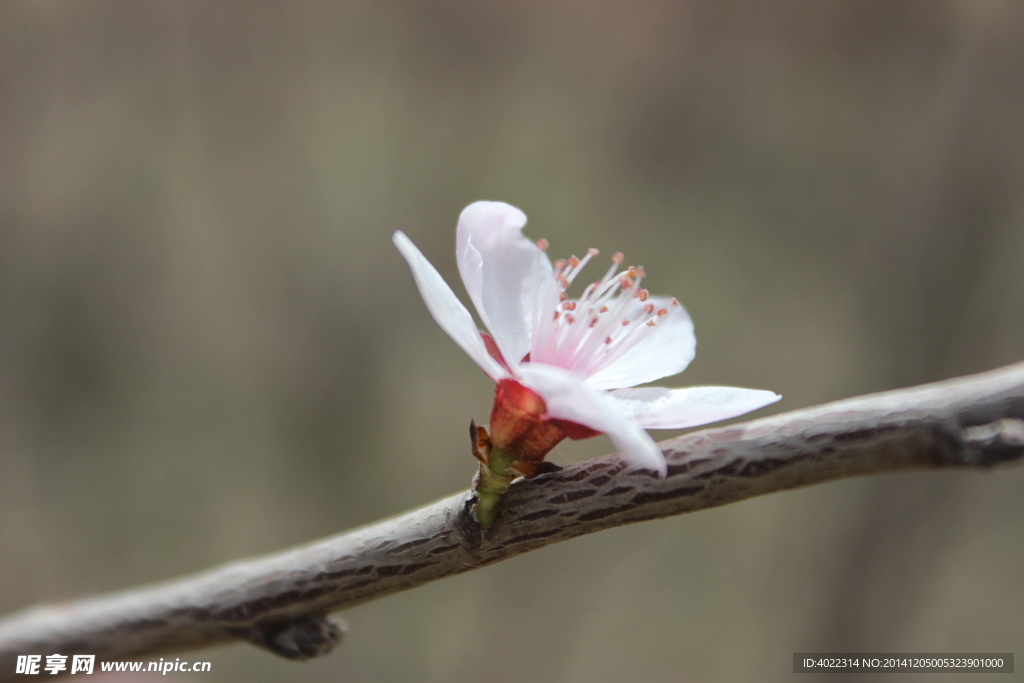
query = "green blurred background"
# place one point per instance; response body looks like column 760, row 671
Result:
column 209, row 347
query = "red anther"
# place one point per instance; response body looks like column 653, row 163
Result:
column 563, row 281
column 625, row 321
column 569, row 319
column 617, row 257
column 644, row 294
column 649, row 308
column 593, row 322
column 663, row 311
column 559, row 264
column 562, row 296
column 651, row 323
column 675, row 302
column 573, row 261
column 542, row 244
column 593, row 252
column 607, row 340
column 625, row 282
column 631, row 271
column 603, row 309
column 569, row 305
column 557, row 313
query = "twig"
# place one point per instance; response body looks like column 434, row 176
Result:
column 280, row 601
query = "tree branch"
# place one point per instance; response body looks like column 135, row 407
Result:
column 279, row 601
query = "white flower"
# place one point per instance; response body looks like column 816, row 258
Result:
column 578, row 355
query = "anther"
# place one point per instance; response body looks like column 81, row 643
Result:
column 625, row 321
column 649, row 308
column 651, row 323
column 643, row 295
column 542, row 244
column 603, row 309
column 618, row 257
column 569, row 305
column 573, row 261
column 569, row 320
column 592, row 252
column 559, row 264
column 663, row 311
column 607, row 340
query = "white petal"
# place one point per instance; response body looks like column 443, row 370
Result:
column 446, row 308
column 507, row 276
column 569, row 398
column 658, row 408
column 667, row 350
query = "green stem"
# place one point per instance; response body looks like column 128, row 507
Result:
column 493, row 480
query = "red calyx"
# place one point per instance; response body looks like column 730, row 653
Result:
column 520, row 424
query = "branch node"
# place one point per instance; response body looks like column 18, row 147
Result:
column 301, row 640
column 994, row 442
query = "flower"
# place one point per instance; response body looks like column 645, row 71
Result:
column 567, row 367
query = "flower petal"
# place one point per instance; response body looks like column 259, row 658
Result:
column 666, row 350
column 507, row 276
column 568, row 398
column 658, row 408
column 446, row 308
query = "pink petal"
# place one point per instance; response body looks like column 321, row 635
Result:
column 658, row 408
column 446, row 308
column 665, row 351
column 507, row 276
column 568, row 398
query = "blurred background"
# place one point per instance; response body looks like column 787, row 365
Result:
column 209, row 347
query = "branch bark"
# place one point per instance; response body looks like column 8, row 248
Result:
column 280, row 601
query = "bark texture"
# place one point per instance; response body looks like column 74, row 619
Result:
column 281, row 601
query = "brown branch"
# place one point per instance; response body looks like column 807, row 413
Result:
column 280, row 601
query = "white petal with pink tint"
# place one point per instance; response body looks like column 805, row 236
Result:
column 567, row 398
column 507, row 276
column 446, row 308
column 658, row 408
column 666, row 350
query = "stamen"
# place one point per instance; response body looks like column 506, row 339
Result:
column 542, row 244
column 618, row 316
